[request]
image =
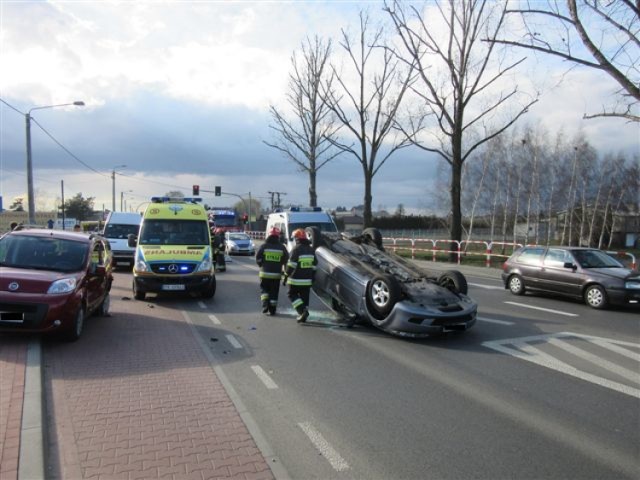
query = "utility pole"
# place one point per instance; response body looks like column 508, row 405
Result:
column 275, row 203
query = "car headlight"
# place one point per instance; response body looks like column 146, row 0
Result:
column 205, row 265
column 64, row 285
column 632, row 285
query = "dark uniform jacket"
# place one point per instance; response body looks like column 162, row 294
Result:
column 271, row 257
column 302, row 265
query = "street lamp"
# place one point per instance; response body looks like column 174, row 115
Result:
column 27, row 117
column 113, row 187
column 122, row 199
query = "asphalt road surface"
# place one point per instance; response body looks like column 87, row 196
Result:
column 540, row 387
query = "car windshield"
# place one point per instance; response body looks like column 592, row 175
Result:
column 42, row 253
column 114, row 230
column 174, row 232
column 595, row 259
column 238, row 236
column 323, row 226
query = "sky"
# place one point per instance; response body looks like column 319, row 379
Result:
column 178, row 93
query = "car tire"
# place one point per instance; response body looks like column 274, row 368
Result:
column 383, row 292
column 211, row 289
column 137, row 293
column 374, row 236
column 76, row 329
column 516, row 285
column 454, row 280
column 315, row 236
column 596, row 297
column 103, row 309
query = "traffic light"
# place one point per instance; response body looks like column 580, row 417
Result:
column 196, row 189
column 218, row 191
column 245, row 218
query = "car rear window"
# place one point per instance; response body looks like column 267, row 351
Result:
column 531, row 256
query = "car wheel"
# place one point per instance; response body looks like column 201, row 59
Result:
column 315, row 236
column 596, row 297
column 516, row 285
column 103, row 309
column 383, row 292
column 453, row 280
column 211, row 289
column 373, row 235
column 137, row 293
column 75, row 331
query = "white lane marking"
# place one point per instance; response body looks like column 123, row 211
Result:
column 214, row 320
column 264, row 377
column 327, row 451
column 488, row 287
column 590, row 357
column 233, row 341
column 492, row 320
column 202, row 305
column 558, row 312
column 609, row 345
column 525, row 351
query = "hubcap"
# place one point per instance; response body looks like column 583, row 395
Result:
column 594, row 297
column 515, row 284
column 380, row 294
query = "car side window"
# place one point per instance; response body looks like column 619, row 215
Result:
column 556, row 258
column 531, row 256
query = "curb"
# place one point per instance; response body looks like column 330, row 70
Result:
column 31, row 461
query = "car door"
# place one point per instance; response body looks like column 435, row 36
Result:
column 529, row 264
column 96, row 282
column 555, row 276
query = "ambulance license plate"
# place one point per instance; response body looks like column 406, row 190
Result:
column 173, row 287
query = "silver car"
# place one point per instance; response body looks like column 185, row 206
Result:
column 361, row 280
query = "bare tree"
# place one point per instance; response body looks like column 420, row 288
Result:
column 368, row 109
column 305, row 137
column 608, row 31
column 459, row 81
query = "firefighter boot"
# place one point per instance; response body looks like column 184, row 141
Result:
column 304, row 314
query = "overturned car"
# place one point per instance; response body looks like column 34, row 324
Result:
column 365, row 283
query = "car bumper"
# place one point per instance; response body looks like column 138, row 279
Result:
column 408, row 320
column 162, row 284
column 30, row 314
column 624, row 297
column 120, row 256
column 241, row 251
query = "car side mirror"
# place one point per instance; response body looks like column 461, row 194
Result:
column 569, row 265
column 132, row 240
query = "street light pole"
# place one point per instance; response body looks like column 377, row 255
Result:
column 113, row 187
column 122, row 200
column 27, row 117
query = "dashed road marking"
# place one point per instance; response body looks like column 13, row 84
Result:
column 558, row 312
column 524, row 349
column 486, row 287
column 233, row 341
column 327, row 451
column 492, row 320
column 214, row 320
column 264, row 377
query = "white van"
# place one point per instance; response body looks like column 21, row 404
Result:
column 117, row 229
column 299, row 217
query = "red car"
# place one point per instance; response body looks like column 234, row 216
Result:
column 51, row 280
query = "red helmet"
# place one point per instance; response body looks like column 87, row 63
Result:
column 274, row 232
column 299, row 234
column 218, row 230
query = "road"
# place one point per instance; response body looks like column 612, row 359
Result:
column 539, row 388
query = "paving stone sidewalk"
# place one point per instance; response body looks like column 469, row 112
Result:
column 136, row 397
column 13, row 357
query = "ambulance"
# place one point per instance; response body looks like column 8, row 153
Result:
column 173, row 249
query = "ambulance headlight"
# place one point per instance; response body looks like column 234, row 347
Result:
column 141, row 266
column 205, row 265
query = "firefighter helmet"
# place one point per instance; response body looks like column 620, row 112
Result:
column 299, row 234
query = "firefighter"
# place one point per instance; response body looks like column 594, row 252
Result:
column 299, row 275
column 272, row 257
column 218, row 245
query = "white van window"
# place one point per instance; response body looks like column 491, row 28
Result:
column 114, row 230
column 322, row 226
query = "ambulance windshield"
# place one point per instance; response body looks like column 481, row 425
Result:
column 174, row 232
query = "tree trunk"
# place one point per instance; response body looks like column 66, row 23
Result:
column 368, row 217
column 313, row 194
